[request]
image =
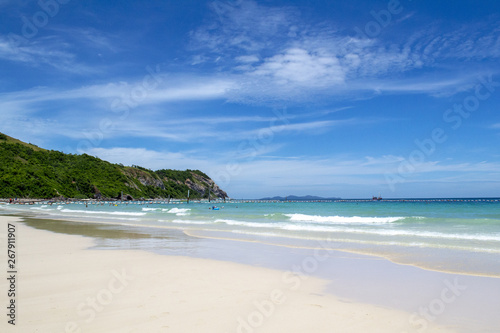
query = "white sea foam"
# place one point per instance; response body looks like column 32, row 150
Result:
column 177, row 211
column 370, row 231
column 342, row 219
column 147, row 209
column 101, row 212
column 41, row 208
column 439, row 235
column 187, row 222
column 248, row 224
column 301, row 227
column 391, row 232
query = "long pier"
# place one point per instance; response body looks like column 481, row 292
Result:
column 229, row 201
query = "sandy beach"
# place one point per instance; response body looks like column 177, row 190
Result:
column 65, row 286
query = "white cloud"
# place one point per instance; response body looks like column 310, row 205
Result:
column 151, row 159
column 315, row 127
column 210, row 89
column 131, row 93
column 42, row 52
column 298, row 67
column 364, row 177
column 247, row 59
column 249, row 173
column 89, row 37
column 275, row 54
column 243, row 25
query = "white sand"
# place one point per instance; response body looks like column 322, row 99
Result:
column 65, row 287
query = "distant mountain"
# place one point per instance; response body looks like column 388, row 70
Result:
column 300, row 198
column 27, row 171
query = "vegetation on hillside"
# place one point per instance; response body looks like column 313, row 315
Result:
column 27, row 171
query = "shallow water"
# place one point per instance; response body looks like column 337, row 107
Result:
column 449, row 236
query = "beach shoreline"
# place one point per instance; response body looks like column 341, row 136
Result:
column 69, row 286
column 395, row 258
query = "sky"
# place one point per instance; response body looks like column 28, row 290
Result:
column 332, row 98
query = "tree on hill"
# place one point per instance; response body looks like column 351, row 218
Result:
column 28, row 172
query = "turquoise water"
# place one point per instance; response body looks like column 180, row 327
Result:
column 451, row 236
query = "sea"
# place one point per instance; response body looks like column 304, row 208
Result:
column 447, row 235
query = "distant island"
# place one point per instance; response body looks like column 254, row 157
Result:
column 299, row 198
column 27, row 171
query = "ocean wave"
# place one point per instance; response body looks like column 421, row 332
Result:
column 101, row 212
column 394, row 233
column 248, row 224
column 147, row 209
column 42, row 208
column 317, row 228
column 187, row 222
column 433, row 234
column 177, row 211
column 342, row 219
column 307, row 227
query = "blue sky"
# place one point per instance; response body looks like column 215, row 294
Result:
column 330, row 98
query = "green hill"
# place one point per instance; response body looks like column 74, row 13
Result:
column 27, row 171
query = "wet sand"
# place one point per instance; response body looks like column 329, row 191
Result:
column 65, row 284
